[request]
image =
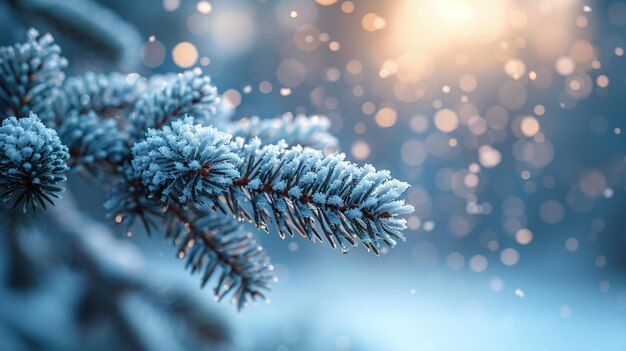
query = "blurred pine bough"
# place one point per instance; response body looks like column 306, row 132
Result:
column 172, row 160
column 93, row 26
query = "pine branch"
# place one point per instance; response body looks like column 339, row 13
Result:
column 192, row 93
column 212, row 245
column 94, row 145
column 128, row 202
column 300, row 189
column 113, row 270
column 30, row 76
column 300, row 130
column 186, row 161
column 90, row 117
column 192, row 180
column 32, row 163
column 90, row 23
column 210, row 242
column 105, row 95
column 306, row 192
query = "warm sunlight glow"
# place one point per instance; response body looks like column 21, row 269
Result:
column 454, row 11
column 437, row 25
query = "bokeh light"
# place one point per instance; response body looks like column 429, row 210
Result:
column 185, row 54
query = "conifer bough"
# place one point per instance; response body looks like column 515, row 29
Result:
column 32, row 162
column 166, row 154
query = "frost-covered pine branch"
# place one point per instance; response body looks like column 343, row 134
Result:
column 163, row 151
column 299, row 130
column 210, row 243
column 190, row 94
column 112, row 285
column 94, row 144
column 32, row 163
column 299, row 189
column 307, row 192
column 30, row 76
column 105, row 95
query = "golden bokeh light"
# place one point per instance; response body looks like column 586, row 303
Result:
column 515, row 68
column 360, row 150
column 372, row 22
column 524, row 236
column 347, row 6
column 232, row 98
column 446, row 120
column 488, row 156
column 185, row 54
column 386, row 117
column 204, row 7
column 529, row 126
column 326, row 2
column 602, row 81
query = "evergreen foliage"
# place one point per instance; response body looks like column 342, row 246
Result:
column 190, row 94
column 106, row 95
column 186, row 162
column 30, row 76
column 32, row 162
column 162, row 150
column 299, row 130
column 308, row 193
column 97, row 145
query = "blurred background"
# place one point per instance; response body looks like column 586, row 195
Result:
column 507, row 117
